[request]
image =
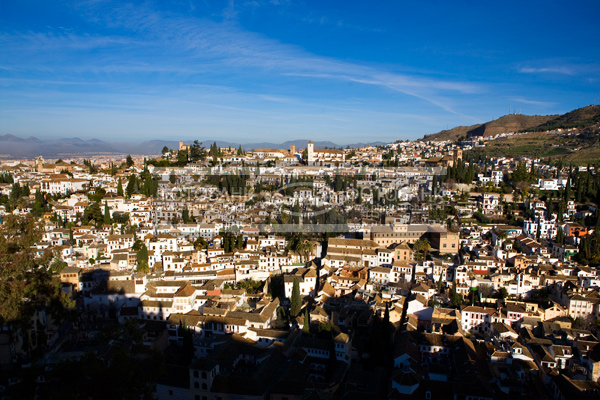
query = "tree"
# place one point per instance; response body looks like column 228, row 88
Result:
column 38, row 204
column 520, row 174
column 200, row 243
column 92, row 213
column 501, row 236
column 57, row 264
column 182, row 158
column 120, row 187
column 131, row 185
column 560, row 236
column 282, row 321
column 26, row 284
column 296, row 301
column 106, row 214
column 197, row 151
column 306, row 327
column 502, row 293
column 129, row 161
column 484, row 290
column 239, row 242
column 185, row 215
column 568, row 189
column 305, row 248
column 422, row 245
column 142, row 260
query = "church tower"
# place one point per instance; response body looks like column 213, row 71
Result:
column 310, row 149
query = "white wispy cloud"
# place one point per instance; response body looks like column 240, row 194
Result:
column 534, row 102
column 158, row 43
column 564, row 70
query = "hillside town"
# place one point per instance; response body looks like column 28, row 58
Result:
column 404, row 271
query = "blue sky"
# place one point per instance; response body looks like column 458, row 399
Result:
column 253, row 70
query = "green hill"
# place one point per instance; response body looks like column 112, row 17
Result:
column 579, row 118
column 507, row 123
column 540, row 139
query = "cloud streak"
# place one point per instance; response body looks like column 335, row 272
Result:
column 534, row 102
column 189, row 46
column 548, row 70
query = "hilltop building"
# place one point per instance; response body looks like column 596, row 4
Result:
column 321, row 157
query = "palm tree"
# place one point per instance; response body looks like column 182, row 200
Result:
column 305, row 249
column 501, row 236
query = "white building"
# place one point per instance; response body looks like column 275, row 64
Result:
column 548, row 228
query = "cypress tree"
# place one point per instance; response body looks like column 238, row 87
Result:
column 568, row 189
column 106, row 214
column 296, row 301
column 560, row 236
column 142, row 259
column 306, row 327
column 130, row 185
column 120, row 188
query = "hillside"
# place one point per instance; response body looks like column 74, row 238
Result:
column 507, row 123
column 579, row 149
column 579, row 118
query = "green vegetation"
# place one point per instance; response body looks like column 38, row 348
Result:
column 507, row 123
column 142, row 259
column 296, row 301
column 422, row 246
column 579, row 118
column 306, row 327
column 549, row 146
column 26, row 283
column 250, row 286
column 462, row 173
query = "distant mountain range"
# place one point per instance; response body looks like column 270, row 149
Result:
column 579, row 118
column 12, row 146
column 15, row 147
